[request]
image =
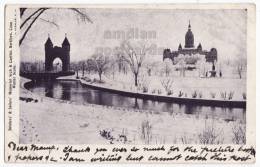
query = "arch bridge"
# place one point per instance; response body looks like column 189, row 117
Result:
column 51, row 53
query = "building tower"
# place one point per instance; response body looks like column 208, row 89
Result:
column 66, row 49
column 189, row 38
column 48, row 52
column 53, row 52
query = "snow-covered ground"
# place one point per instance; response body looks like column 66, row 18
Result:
column 206, row 87
column 48, row 120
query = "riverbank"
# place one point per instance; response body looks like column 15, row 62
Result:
column 227, row 97
column 57, row 121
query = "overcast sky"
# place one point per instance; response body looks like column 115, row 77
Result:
column 223, row 29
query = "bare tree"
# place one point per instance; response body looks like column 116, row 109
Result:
column 157, row 67
column 149, row 66
column 239, row 70
column 119, row 58
column 101, row 63
column 83, row 68
column 239, row 133
column 134, row 57
column 167, row 83
column 90, row 65
column 239, row 66
column 167, row 67
column 143, row 83
column 113, row 65
column 182, row 65
column 33, row 15
column 82, row 65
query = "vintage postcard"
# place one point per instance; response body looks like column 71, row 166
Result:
column 130, row 83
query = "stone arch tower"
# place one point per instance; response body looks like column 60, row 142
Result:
column 63, row 53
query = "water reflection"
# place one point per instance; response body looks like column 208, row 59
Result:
column 49, row 89
column 74, row 91
column 65, row 92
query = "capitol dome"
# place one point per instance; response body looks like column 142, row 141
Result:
column 189, row 38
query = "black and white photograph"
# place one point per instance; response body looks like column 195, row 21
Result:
column 132, row 76
column 147, row 83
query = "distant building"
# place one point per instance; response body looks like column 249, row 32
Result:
column 189, row 49
column 53, row 52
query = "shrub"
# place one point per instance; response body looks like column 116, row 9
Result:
column 123, row 136
column 239, row 134
column 213, row 95
column 86, row 79
column 180, row 94
column 230, row 95
column 194, row 94
column 167, row 83
column 244, row 95
column 159, row 91
column 98, row 81
column 223, row 95
column 107, row 135
column 209, row 135
column 170, row 92
column 146, row 131
column 143, row 83
column 184, row 139
column 153, row 91
column 145, row 89
column 200, row 95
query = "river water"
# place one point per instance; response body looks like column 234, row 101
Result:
column 74, row 91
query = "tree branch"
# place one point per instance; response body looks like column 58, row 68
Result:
column 28, row 18
column 51, row 22
column 22, row 10
column 83, row 16
column 29, row 27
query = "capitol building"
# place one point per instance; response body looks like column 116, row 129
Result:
column 190, row 49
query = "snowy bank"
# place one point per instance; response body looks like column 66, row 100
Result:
column 164, row 98
column 57, row 121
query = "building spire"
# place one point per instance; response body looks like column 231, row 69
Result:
column 189, row 38
column 48, row 42
column 66, row 41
